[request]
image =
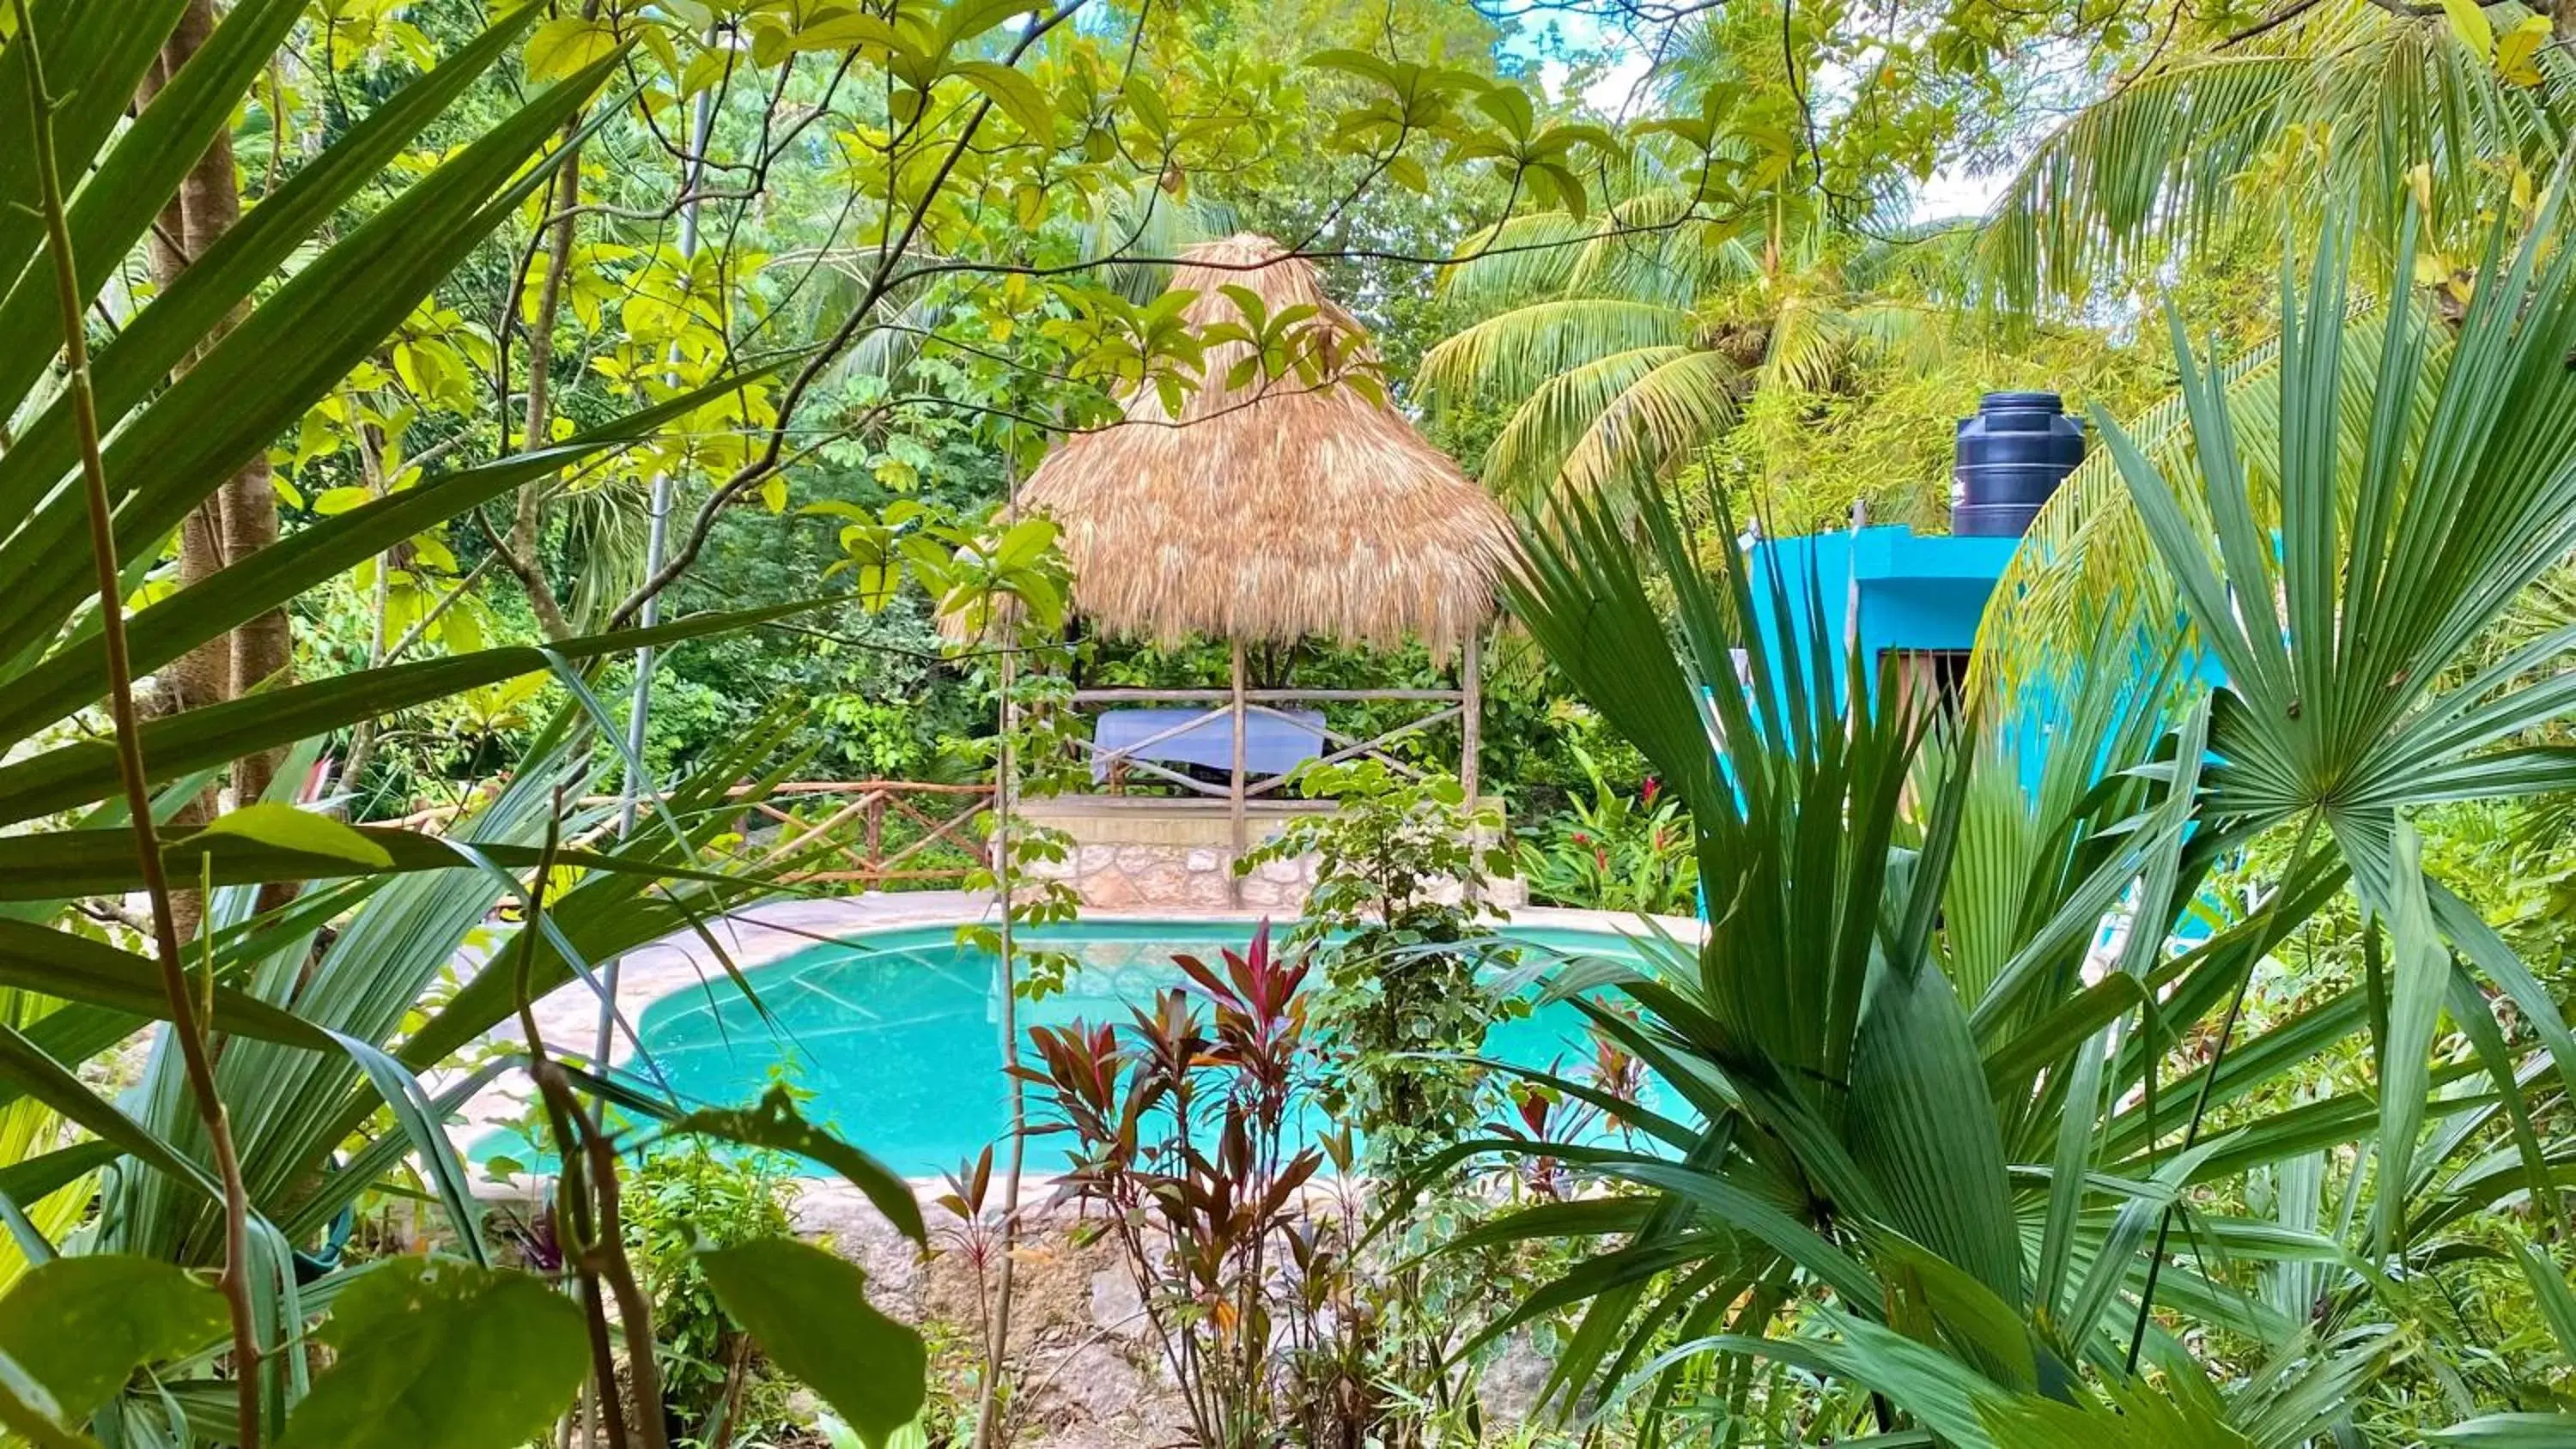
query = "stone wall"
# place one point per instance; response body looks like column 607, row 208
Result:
column 1143, row 854
column 1134, row 854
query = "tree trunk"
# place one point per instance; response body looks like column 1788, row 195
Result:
column 240, row 518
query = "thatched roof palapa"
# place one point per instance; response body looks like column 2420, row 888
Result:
column 1277, row 510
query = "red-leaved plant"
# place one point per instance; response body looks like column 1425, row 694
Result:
column 1187, row 1135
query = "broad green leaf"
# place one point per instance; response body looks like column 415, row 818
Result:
column 433, row 1354
column 809, row 1312
column 2469, row 22
column 561, row 47
column 1017, row 95
column 2517, row 53
column 305, row 832
column 29, row 1413
column 855, row 31
column 967, row 19
column 774, row 1124
column 80, row 1326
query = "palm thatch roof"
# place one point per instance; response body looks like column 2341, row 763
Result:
column 1272, row 508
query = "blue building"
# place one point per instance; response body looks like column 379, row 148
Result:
column 1917, row 598
column 1885, row 590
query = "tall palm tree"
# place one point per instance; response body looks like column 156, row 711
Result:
column 1623, row 341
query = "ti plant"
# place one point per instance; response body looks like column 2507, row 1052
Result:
column 1185, row 1125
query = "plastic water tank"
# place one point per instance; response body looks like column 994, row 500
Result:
column 2011, row 457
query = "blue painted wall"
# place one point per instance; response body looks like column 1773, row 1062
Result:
column 1915, row 592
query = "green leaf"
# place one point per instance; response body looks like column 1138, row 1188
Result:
column 287, row 828
column 79, row 1326
column 25, row 1066
column 68, row 680
column 1017, row 95
column 774, row 1124
column 809, row 1312
column 261, row 376
column 2469, row 22
column 31, row 1178
column 967, row 19
column 433, row 1354
column 2517, row 53
column 2419, row 972
column 2549, row 1287
column 562, row 47
column 857, row 31
column 196, row 739
column 29, row 1413
column 76, row 968
column 2511, row 1431
column 69, row 863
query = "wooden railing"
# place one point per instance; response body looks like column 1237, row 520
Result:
column 854, row 833
column 851, row 841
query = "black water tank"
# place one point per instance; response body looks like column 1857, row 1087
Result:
column 2012, row 455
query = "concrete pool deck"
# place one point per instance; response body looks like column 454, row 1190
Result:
column 757, row 935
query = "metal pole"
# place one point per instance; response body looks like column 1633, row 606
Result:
column 657, row 537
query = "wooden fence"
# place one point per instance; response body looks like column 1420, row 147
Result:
column 852, row 837
column 873, row 832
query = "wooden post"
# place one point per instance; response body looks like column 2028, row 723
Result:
column 1471, row 723
column 1471, row 733
column 1234, row 796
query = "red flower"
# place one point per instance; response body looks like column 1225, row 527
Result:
column 1651, row 789
column 1581, row 838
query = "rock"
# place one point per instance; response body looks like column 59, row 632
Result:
column 1115, row 1305
column 1166, row 884
column 1510, row 1384
column 1202, row 860
column 1110, row 890
column 1097, row 1381
column 1136, row 859
column 1294, row 871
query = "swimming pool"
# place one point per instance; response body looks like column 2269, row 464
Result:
column 894, row 1032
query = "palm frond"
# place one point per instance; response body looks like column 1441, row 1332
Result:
column 1514, row 353
column 2354, row 109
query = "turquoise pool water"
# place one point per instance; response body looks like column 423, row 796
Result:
column 895, row 1033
